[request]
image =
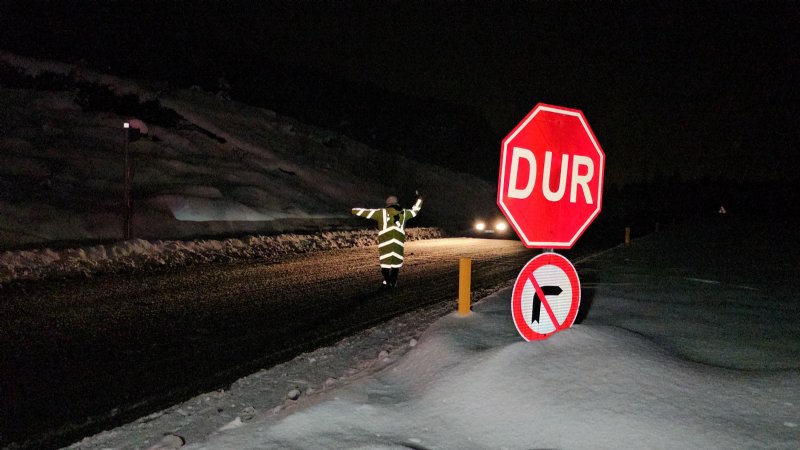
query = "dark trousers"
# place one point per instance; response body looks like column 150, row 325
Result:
column 390, row 275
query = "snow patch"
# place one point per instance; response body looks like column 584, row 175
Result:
column 141, row 255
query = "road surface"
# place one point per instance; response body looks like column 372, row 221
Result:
column 79, row 356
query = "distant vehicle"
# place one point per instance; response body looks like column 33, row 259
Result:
column 496, row 226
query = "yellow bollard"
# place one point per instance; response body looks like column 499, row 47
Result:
column 627, row 235
column 464, row 279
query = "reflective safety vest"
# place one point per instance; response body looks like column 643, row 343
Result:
column 391, row 231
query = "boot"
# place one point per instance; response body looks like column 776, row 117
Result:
column 386, row 277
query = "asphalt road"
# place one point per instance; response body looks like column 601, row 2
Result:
column 79, row 356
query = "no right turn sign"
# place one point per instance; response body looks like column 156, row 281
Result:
column 546, row 296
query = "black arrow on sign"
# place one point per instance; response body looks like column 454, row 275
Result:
column 537, row 302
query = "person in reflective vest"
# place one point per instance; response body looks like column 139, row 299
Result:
column 392, row 221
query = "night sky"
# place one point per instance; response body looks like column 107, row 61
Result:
column 694, row 90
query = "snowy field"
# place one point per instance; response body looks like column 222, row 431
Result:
column 208, row 167
column 691, row 343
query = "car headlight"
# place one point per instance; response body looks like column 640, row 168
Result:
column 500, row 226
column 480, row 226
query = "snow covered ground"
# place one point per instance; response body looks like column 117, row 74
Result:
column 208, row 167
column 691, row 342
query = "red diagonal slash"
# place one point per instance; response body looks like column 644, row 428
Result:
column 546, row 305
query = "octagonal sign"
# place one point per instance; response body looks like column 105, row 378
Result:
column 551, row 177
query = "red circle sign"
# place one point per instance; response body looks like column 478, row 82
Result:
column 546, row 296
column 551, row 177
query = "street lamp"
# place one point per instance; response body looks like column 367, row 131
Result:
column 133, row 130
column 126, row 196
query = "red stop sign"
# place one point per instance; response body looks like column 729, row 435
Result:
column 551, row 177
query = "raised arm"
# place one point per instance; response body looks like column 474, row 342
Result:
column 366, row 213
column 411, row 213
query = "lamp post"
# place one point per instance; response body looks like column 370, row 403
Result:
column 134, row 129
column 126, row 199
